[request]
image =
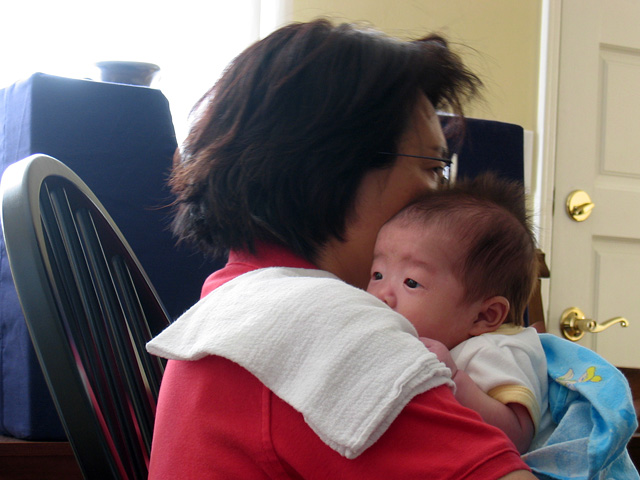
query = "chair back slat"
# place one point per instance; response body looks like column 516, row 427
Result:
column 91, row 337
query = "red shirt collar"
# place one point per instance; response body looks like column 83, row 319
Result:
column 266, row 255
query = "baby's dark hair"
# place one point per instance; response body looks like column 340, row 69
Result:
column 488, row 216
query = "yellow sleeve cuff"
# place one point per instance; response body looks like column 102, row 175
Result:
column 520, row 395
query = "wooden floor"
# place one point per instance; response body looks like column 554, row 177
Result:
column 24, row 460
column 634, row 450
column 633, row 375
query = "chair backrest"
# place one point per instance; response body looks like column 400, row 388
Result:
column 90, row 310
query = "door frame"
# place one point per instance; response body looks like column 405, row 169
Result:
column 543, row 176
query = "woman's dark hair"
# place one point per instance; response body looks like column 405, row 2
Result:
column 280, row 144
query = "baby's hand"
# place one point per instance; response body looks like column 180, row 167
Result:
column 442, row 352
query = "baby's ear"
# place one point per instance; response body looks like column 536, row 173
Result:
column 491, row 314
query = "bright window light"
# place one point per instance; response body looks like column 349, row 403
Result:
column 191, row 40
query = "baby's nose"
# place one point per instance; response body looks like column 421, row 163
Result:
column 388, row 297
column 383, row 292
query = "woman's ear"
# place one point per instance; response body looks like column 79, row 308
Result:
column 491, row 314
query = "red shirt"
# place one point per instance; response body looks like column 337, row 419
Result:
column 216, row 420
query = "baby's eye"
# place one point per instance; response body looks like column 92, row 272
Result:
column 377, row 276
column 411, row 283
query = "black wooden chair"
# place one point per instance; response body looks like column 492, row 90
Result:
column 90, row 310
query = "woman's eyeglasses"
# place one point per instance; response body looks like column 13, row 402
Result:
column 449, row 160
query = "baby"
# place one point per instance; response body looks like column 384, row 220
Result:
column 460, row 265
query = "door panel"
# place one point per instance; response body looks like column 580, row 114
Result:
column 616, row 259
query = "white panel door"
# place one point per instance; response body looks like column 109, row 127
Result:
column 595, row 264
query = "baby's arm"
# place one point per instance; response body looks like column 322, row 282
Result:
column 513, row 419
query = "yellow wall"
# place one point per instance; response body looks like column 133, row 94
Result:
column 498, row 39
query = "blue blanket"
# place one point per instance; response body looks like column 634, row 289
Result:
column 591, row 403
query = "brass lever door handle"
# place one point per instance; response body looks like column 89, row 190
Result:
column 574, row 325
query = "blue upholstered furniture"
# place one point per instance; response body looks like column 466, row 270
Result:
column 487, row 145
column 120, row 140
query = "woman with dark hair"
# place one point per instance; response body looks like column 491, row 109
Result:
column 310, row 141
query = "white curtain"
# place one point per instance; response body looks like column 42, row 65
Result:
column 191, row 40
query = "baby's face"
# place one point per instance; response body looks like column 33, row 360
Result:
column 412, row 273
